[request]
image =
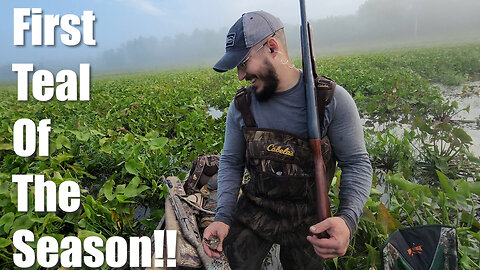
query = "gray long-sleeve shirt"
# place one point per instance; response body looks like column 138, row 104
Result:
column 287, row 111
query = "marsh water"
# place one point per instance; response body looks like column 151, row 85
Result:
column 467, row 94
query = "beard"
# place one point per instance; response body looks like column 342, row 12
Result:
column 270, row 83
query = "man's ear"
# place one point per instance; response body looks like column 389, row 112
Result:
column 273, row 44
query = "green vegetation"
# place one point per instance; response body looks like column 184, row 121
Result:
column 136, row 128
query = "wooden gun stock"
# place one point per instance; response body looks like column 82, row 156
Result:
column 321, row 183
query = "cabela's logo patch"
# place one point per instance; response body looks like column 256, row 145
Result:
column 281, row 150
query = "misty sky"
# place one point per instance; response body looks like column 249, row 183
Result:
column 118, row 21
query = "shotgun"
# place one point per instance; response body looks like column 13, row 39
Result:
column 314, row 135
column 186, row 220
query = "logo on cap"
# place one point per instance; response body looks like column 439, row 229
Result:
column 230, row 40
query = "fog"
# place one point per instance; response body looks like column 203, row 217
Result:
column 377, row 25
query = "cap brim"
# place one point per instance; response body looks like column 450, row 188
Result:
column 230, row 60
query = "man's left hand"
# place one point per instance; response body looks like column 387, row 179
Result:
column 337, row 244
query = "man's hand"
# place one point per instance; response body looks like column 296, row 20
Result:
column 337, row 244
column 218, row 229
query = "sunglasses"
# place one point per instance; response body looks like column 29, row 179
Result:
column 243, row 64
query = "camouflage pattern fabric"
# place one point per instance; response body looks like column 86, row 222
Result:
column 247, row 250
column 448, row 240
column 203, row 169
column 278, row 202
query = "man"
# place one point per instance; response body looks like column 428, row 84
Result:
column 266, row 131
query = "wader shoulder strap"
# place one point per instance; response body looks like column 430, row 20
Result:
column 242, row 103
column 325, row 89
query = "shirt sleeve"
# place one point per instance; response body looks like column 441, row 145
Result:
column 346, row 136
column 231, row 168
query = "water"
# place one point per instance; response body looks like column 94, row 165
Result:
column 214, row 113
column 468, row 121
column 467, row 94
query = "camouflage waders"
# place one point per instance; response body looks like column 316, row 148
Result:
column 278, row 204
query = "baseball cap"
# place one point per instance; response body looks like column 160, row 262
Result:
column 247, row 32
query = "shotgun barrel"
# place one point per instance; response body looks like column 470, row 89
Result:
column 309, row 76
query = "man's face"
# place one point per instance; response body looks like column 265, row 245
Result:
column 261, row 73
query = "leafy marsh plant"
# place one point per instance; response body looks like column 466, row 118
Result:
column 443, row 146
column 453, row 202
column 137, row 128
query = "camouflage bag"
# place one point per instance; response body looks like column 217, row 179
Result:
column 202, row 182
column 422, row 247
column 204, row 170
column 199, row 200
